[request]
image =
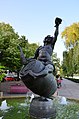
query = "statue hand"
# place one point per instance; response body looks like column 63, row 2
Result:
column 58, row 21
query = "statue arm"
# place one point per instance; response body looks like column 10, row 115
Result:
column 57, row 23
column 56, row 34
column 37, row 52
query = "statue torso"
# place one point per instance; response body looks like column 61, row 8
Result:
column 45, row 53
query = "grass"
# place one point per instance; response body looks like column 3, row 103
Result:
column 70, row 111
column 16, row 111
column 19, row 111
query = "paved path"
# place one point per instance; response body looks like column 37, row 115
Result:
column 69, row 89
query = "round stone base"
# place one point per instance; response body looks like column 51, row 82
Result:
column 42, row 108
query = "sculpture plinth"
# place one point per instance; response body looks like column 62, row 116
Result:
column 42, row 108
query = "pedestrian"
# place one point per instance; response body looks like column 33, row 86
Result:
column 58, row 79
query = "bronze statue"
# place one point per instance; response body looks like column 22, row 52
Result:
column 37, row 72
column 44, row 53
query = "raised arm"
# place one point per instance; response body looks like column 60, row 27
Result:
column 57, row 23
column 56, row 34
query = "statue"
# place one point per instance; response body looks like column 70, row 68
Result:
column 37, row 72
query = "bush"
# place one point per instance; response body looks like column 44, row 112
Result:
column 2, row 73
column 73, row 79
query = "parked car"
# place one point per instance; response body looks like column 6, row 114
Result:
column 10, row 76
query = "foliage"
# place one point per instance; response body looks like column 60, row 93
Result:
column 73, row 79
column 2, row 75
column 8, row 41
column 9, row 52
column 71, row 35
column 71, row 56
column 68, row 111
column 71, row 62
column 16, row 111
column 2, row 72
column 56, row 62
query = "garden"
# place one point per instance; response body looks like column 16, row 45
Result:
column 19, row 109
column 10, row 60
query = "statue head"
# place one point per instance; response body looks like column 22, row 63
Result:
column 48, row 40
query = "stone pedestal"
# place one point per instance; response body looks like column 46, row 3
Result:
column 42, row 108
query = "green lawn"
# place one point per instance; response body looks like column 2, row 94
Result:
column 19, row 111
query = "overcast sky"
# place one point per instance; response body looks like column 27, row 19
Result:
column 35, row 18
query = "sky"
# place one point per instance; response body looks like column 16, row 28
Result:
column 35, row 18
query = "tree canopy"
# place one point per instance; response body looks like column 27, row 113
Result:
column 71, row 56
column 9, row 52
column 71, row 35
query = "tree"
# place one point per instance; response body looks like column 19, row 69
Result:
column 2, row 72
column 9, row 52
column 71, row 35
column 71, row 61
column 8, row 45
column 56, row 62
